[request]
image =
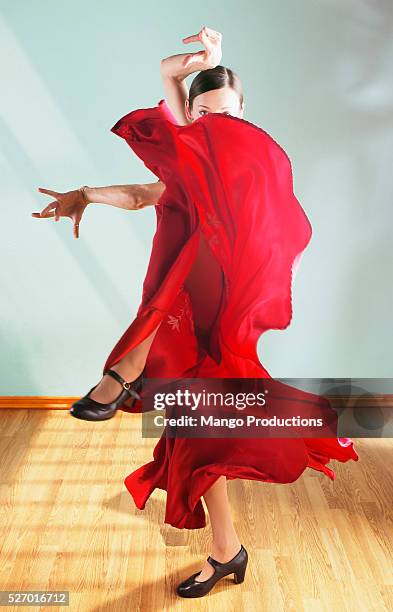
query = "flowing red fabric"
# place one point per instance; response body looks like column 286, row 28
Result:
column 229, row 209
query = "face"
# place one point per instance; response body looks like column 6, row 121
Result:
column 223, row 100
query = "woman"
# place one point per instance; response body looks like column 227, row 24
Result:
column 229, row 237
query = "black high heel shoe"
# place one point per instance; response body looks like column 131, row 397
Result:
column 236, row 566
column 90, row 410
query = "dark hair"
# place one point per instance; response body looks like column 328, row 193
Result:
column 215, row 78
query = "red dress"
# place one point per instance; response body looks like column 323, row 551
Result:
column 229, row 209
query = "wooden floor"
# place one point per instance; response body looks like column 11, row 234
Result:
column 68, row 523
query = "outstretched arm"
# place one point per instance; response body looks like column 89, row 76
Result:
column 175, row 68
column 129, row 197
column 73, row 203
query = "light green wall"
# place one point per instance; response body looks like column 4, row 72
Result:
column 317, row 77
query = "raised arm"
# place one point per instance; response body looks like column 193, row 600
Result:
column 175, row 68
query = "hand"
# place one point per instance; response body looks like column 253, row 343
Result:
column 212, row 54
column 69, row 204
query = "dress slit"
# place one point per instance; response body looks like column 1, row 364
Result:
column 204, row 290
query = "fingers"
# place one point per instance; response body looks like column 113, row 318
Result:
column 76, row 228
column 211, row 41
column 193, row 38
column 49, row 192
column 41, row 215
column 50, row 210
column 205, row 35
column 206, row 41
column 211, row 38
column 47, row 211
column 210, row 32
column 50, row 206
column 193, row 57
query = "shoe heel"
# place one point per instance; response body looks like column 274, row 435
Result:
column 238, row 575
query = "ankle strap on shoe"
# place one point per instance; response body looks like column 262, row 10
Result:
column 126, row 385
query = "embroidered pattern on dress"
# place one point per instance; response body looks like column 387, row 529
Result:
column 184, row 312
column 175, row 321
